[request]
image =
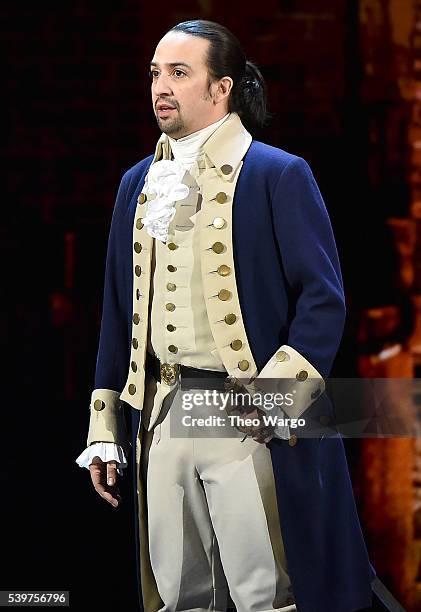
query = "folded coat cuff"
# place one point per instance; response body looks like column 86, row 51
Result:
column 287, row 371
column 107, row 423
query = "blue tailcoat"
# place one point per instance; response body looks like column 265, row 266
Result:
column 290, row 288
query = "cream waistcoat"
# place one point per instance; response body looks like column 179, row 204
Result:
column 179, row 329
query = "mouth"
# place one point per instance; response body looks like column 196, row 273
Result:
column 163, row 112
column 165, row 109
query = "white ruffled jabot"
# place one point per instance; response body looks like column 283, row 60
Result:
column 164, row 179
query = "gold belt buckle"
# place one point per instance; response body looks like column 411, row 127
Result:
column 169, row 372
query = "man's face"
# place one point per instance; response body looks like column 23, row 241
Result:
column 181, row 101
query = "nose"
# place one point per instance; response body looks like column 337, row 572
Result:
column 161, row 86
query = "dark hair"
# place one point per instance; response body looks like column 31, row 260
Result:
column 226, row 57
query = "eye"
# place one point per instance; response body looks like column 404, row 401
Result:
column 179, row 73
column 153, row 74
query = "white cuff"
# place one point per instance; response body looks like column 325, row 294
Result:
column 106, row 451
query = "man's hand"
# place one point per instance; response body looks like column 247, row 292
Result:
column 261, row 432
column 104, row 478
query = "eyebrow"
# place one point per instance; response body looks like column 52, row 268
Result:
column 173, row 64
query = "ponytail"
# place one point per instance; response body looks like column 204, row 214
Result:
column 249, row 98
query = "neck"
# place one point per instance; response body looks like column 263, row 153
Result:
column 188, row 148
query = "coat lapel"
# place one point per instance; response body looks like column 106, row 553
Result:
column 224, row 150
column 142, row 247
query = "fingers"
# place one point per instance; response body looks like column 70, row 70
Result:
column 262, row 439
column 245, row 416
column 111, row 473
column 259, row 432
column 101, row 474
column 263, row 433
column 255, row 430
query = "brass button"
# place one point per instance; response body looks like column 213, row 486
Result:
column 230, row 318
column 243, row 365
column 226, row 169
column 139, row 223
column 170, row 307
column 221, row 197
column 172, row 348
column 171, row 268
column 236, row 345
column 137, row 247
column 171, row 287
column 315, row 394
column 137, row 270
column 217, row 247
column 224, row 294
column 99, row 404
column 301, row 375
column 136, row 318
column 132, row 389
column 224, row 270
column 293, row 440
column 218, row 222
column 135, row 343
column 172, row 246
column 281, row 356
column 138, row 294
column 142, row 198
column 171, row 328
column 324, row 419
column 133, row 366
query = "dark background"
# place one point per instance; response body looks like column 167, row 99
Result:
column 77, row 115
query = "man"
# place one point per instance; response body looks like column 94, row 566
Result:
column 222, row 263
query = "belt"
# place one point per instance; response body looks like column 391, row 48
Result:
column 169, row 373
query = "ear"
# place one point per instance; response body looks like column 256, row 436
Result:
column 222, row 89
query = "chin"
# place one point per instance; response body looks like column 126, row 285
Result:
column 172, row 127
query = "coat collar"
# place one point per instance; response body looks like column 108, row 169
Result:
column 225, row 148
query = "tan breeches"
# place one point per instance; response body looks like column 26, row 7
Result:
column 213, row 523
